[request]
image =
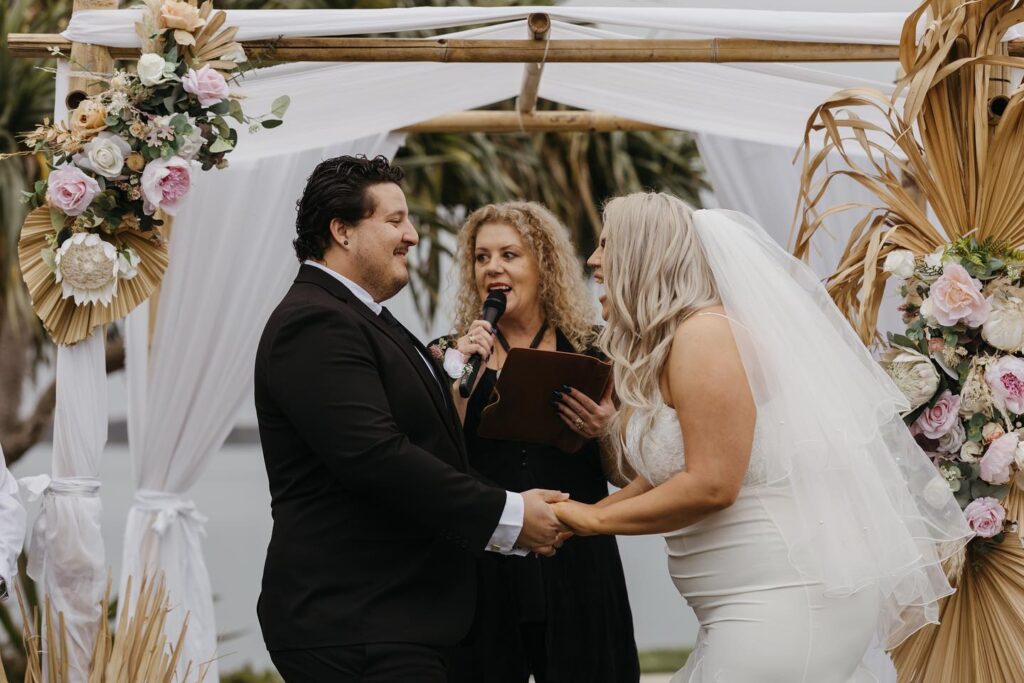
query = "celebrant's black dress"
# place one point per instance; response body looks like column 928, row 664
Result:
column 564, row 618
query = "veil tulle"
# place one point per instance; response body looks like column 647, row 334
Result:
column 872, row 510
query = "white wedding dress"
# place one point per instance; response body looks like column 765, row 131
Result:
column 760, row 620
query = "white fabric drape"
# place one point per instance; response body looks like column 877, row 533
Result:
column 231, row 261
column 12, row 525
column 66, row 554
column 65, row 551
column 766, row 103
column 762, row 181
column 115, row 28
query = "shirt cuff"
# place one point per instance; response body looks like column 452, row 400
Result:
column 503, row 540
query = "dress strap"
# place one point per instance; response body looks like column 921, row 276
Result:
column 720, row 315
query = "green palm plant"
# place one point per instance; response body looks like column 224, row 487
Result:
column 571, row 173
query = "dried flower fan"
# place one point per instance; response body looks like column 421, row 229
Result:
column 938, row 136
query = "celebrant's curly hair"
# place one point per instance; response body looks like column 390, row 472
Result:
column 656, row 276
column 337, row 189
column 564, row 298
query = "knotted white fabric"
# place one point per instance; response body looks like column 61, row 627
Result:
column 65, row 552
column 12, row 524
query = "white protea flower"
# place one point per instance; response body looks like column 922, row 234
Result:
column 86, row 268
column 1004, row 328
column 913, row 373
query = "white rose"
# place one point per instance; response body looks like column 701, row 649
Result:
column 150, row 68
column 900, row 263
column 191, row 144
column 104, row 154
column 913, row 373
column 937, row 492
column 970, row 451
column 927, row 313
column 951, row 441
column 934, row 259
column 1004, row 328
column 128, row 263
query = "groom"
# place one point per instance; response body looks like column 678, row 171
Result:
column 370, row 571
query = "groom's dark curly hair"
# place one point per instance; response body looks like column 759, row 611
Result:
column 337, row 189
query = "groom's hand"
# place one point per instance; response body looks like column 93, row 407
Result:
column 541, row 529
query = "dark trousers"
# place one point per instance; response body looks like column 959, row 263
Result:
column 370, row 663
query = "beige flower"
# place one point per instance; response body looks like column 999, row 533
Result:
column 1004, row 328
column 135, row 162
column 88, row 119
column 975, row 396
column 180, row 15
column 992, row 431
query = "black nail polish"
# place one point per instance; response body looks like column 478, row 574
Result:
column 557, row 395
column 566, row 388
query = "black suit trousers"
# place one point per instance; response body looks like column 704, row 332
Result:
column 370, row 663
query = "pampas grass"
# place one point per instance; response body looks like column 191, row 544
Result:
column 138, row 651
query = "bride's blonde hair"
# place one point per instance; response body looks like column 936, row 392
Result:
column 656, row 276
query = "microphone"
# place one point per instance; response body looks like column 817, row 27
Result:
column 494, row 306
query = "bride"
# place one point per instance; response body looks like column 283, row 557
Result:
column 804, row 527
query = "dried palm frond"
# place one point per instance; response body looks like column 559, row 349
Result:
column 981, row 634
column 139, row 652
column 212, row 43
column 67, row 322
column 950, row 136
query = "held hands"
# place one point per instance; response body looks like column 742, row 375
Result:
column 579, row 518
column 542, row 533
column 579, row 412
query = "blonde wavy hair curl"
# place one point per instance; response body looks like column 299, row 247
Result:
column 656, row 276
column 563, row 293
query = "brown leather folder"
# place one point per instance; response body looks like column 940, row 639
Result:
column 520, row 405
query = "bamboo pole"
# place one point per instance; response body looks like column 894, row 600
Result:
column 466, row 50
column 539, row 26
column 88, row 58
column 535, row 122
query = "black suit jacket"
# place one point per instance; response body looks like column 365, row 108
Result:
column 376, row 522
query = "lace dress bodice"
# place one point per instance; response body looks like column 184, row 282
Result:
column 659, row 455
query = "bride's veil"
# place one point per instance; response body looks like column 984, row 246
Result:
column 871, row 507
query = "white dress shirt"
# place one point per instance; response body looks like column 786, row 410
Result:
column 510, row 525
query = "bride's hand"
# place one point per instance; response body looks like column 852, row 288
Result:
column 580, row 518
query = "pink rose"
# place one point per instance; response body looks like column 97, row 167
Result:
column 985, row 516
column 1005, row 378
column 206, row 84
column 937, row 420
column 165, row 182
column 995, row 465
column 956, row 297
column 71, row 190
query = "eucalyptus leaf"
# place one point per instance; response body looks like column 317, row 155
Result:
column 280, row 106
column 271, row 123
column 235, row 111
column 220, row 145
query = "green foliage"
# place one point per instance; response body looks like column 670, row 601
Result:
column 663, row 661
column 247, row 675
